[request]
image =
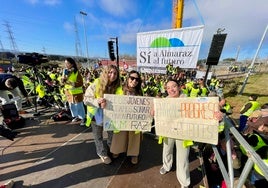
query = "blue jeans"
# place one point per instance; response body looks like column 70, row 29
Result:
column 78, row 110
column 242, row 123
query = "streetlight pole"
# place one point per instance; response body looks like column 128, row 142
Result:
column 253, row 61
column 117, row 54
column 85, row 33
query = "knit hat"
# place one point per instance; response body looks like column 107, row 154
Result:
column 256, row 114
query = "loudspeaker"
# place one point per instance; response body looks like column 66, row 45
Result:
column 216, row 49
column 111, row 50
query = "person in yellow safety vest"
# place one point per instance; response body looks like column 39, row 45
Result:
column 174, row 70
column 255, row 141
column 73, row 89
column 145, row 87
column 257, row 176
column 189, row 84
column 213, row 82
column 152, row 89
column 195, row 91
column 225, row 107
column 169, row 69
column 59, row 77
column 63, row 98
column 185, row 90
column 41, row 91
column 27, row 82
column 203, row 88
column 108, row 83
column 219, row 88
column 129, row 141
column 53, row 75
column 247, row 110
column 162, row 86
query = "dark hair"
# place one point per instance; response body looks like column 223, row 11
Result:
column 254, row 97
column 138, row 89
column 264, row 106
column 253, row 140
column 72, row 61
column 263, row 152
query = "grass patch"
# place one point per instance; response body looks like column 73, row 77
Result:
column 256, row 84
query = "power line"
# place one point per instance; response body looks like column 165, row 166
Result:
column 1, row 45
column 44, row 50
column 77, row 41
column 199, row 13
column 85, row 32
column 14, row 46
column 146, row 13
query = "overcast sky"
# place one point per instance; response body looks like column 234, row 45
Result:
column 47, row 26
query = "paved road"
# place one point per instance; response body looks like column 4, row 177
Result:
column 62, row 154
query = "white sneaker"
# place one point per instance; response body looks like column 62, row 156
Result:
column 9, row 184
column 134, row 160
column 83, row 122
column 105, row 159
column 75, row 119
column 163, row 170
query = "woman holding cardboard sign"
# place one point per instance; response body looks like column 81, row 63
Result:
column 182, row 146
column 129, row 141
column 108, row 83
column 182, row 154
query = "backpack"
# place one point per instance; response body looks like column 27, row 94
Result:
column 63, row 115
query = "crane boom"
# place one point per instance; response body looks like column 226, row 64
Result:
column 177, row 13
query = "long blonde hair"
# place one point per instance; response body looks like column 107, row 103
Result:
column 105, row 86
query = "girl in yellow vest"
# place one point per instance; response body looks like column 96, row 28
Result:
column 257, row 176
column 129, row 141
column 73, row 89
column 108, row 83
column 247, row 110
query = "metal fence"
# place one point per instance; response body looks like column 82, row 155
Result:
column 253, row 157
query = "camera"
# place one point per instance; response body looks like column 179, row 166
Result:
column 32, row 59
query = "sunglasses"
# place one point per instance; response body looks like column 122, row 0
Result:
column 134, row 78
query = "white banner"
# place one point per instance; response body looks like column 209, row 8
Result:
column 179, row 47
column 128, row 113
column 153, row 70
column 202, row 74
column 187, row 118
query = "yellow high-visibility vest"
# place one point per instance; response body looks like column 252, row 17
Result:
column 255, row 106
column 259, row 145
column 257, row 168
column 91, row 111
column 73, row 90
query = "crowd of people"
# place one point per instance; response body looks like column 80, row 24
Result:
column 83, row 93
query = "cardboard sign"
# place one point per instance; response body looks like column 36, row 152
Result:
column 128, row 113
column 187, row 118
